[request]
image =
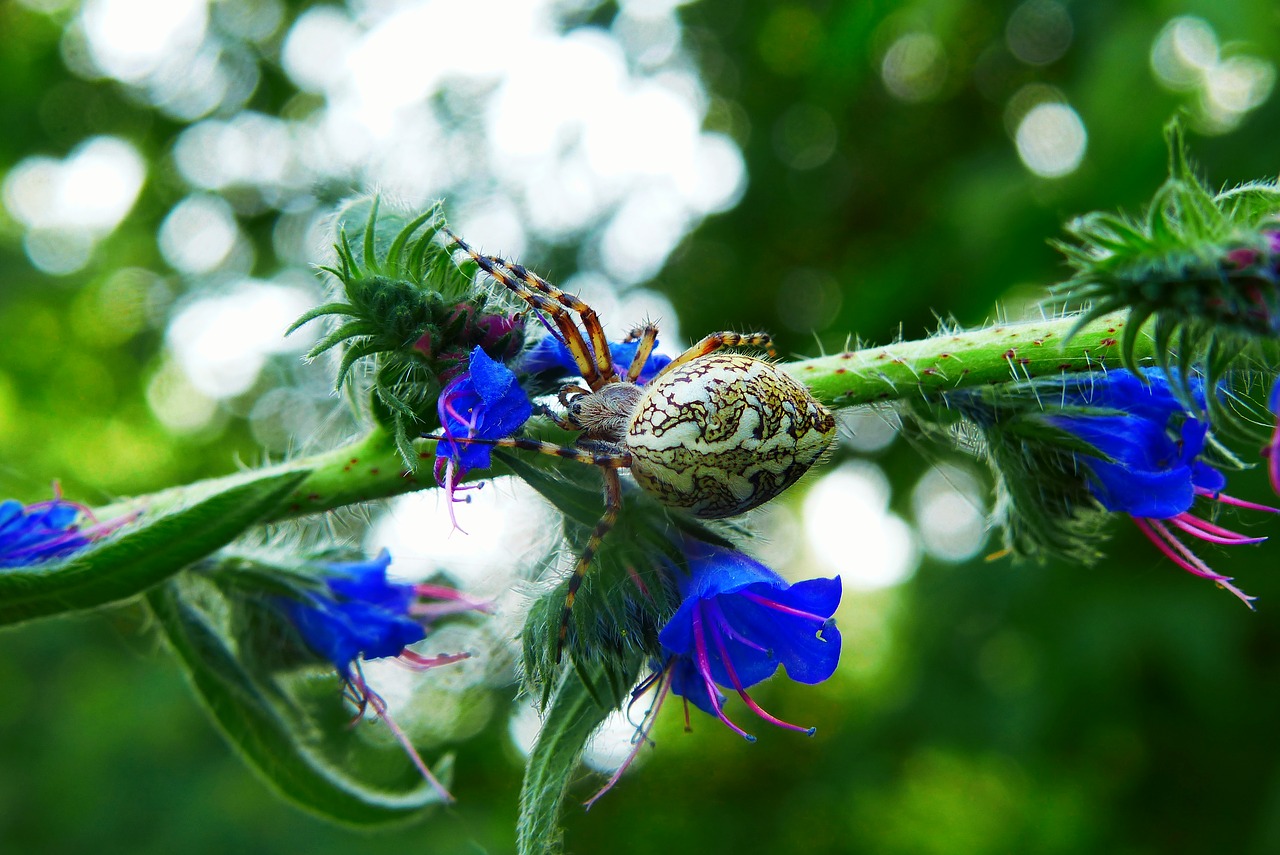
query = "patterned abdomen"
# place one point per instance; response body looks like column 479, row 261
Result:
column 725, row 433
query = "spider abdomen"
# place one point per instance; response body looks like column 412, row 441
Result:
column 725, row 433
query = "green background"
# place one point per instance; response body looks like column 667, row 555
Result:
column 982, row 708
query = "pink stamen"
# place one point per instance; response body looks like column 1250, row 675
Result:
column 469, row 422
column 1205, row 530
column 742, row 692
column 444, row 592
column 555, row 333
column 1193, row 563
column 380, row 708
column 450, row 484
column 418, row 662
column 641, row 737
column 717, row 614
column 639, row 583
column 1184, row 558
column 768, row 603
column 1232, row 500
column 704, row 668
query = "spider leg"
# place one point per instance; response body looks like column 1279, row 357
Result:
column 594, row 361
column 604, row 458
column 590, row 320
column 609, row 462
column 613, row 504
column 571, row 391
column 637, row 333
column 648, row 336
column 560, row 421
column 715, row 341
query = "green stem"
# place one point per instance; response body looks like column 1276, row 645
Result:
column 371, row 468
column 950, row 361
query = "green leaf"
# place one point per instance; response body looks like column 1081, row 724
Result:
column 143, row 553
column 574, row 715
column 298, row 740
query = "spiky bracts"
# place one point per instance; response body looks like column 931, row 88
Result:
column 406, row 307
column 1199, row 273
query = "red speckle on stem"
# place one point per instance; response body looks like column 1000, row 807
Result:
column 1009, row 354
column 1108, row 342
column 374, row 471
column 842, row 370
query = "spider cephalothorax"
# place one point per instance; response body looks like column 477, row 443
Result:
column 716, row 434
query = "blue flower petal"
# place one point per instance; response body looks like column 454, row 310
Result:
column 486, row 402
column 30, row 534
column 550, row 354
column 754, row 618
column 1152, row 442
column 688, row 684
column 366, row 616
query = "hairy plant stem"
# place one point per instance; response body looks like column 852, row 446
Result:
column 371, row 468
column 941, row 363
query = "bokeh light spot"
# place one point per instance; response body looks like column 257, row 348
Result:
column 1051, row 140
column 1039, row 32
column 222, row 341
column 914, row 67
column 851, row 531
column 948, row 506
column 198, row 234
column 805, row 137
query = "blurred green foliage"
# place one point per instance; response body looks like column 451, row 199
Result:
column 982, row 708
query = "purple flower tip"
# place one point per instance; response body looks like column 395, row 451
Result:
column 31, row 534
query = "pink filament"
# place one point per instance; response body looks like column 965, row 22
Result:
column 770, row 604
column 641, row 738
column 1179, row 554
column 418, row 662
column 380, row 708
column 704, row 668
column 1239, row 503
column 742, row 692
column 1207, row 531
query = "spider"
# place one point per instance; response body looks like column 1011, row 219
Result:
column 713, row 433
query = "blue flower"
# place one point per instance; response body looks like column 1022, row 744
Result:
column 738, row 622
column 550, row 354
column 362, row 615
column 30, row 534
column 1152, row 442
column 1149, row 462
column 484, row 402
